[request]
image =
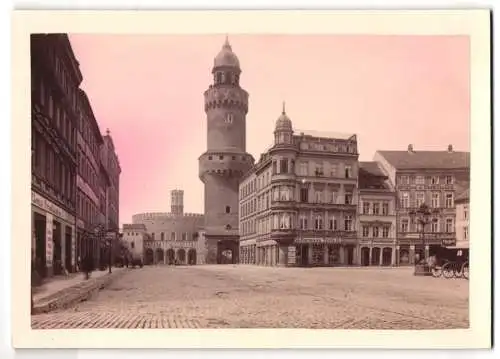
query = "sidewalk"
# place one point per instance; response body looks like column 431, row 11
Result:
column 65, row 291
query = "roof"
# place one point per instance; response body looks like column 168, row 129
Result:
column 427, row 159
column 372, row 168
column 462, row 196
column 325, row 134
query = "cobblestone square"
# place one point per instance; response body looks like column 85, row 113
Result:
column 239, row 296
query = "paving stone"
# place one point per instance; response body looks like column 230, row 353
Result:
column 264, row 297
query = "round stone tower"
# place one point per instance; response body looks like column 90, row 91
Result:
column 225, row 161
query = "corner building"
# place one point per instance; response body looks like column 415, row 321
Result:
column 222, row 166
column 298, row 203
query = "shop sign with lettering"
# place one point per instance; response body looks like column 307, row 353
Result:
column 50, row 207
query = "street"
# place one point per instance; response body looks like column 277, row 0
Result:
column 240, row 296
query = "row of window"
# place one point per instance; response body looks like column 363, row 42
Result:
column 49, row 166
column 284, row 166
column 422, row 180
column 226, row 78
column 287, row 221
column 376, row 231
column 173, row 236
column 434, row 226
column 86, row 208
column 336, row 147
column 375, row 208
column 406, row 199
column 54, row 110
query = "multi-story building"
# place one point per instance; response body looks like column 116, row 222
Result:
column 88, row 180
column 462, row 218
column 111, row 176
column 55, row 78
column 376, row 217
column 298, row 203
column 175, row 237
column 111, row 164
column 226, row 160
column 429, row 177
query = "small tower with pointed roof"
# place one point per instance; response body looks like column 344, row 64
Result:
column 283, row 131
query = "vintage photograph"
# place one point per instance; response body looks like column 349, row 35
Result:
column 249, row 181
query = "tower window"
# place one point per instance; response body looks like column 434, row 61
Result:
column 228, row 209
column 209, row 158
column 221, row 157
column 233, row 158
column 229, row 118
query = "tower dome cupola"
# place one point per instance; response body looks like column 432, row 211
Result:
column 226, row 57
column 283, row 130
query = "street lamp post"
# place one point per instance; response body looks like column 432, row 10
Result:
column 422, row 217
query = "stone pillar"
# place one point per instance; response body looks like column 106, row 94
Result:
column 342, row 255
column 393, row 257
column 397, row 255
column 325, row 255
column 283, row 255
column 49, row 244
column 426, row 254
column 73, row 249
column 412, row 254
column 381, row 254
column 370, row 257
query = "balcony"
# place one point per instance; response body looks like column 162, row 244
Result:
column 283, row 203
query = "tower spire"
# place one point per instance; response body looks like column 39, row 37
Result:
column 227, row 45
column 283, row 112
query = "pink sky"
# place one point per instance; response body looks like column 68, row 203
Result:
column 148, row 90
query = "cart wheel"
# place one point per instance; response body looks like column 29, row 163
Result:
column 437, row 271
column 465, row 270
column 448, row 271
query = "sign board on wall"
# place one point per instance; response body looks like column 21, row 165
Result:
column 50, row 207
column 48, row 239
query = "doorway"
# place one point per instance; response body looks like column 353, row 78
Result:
column 350, row 255
column 68, row 249
column 40, row 223
column 365, row 256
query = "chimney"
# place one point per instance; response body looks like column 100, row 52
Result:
column 177, row 201
column 450, row 148
column 410, row 148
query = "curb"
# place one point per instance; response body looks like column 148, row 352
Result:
column 73, row 295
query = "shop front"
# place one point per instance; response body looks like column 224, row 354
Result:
column 54, row 251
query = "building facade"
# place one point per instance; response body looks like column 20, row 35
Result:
column 377, row 217
column 111, row 177
column 462, row 218
column 298, row 203
column 429, row 177
column 89, row 181
column 175, row 237
column 55, row 78
column 226, row 160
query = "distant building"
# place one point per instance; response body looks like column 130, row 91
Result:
column 429, row 177
column 134, row 237
column 377, row 217
column 462, row 218
column 298, row 202
column 175, row 236
column 55, row 78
